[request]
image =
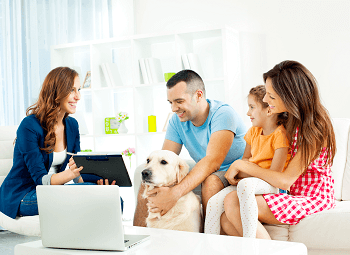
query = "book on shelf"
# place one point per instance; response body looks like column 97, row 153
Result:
column 185, row 62
column 151, row 70
column 148, row 70
column 106, row 75
column 113, row 72
column 155, row 69
column 144, row 70
column 195, row 63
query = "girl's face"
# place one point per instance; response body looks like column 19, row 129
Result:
column 275, row 102
column 69, row 103
column 258, row 114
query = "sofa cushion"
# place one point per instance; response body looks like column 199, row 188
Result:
column 346, row 178
column 341, row 128
column 29, row 225
column 6, row 148
column 5, row 167
column 278, row 232
column 7, row 137
column 324, row 230
column 8, row 133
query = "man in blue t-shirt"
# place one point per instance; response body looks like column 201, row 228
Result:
column 211, row 131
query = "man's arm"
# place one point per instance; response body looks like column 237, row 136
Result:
column 172, row 146
column 219, row 144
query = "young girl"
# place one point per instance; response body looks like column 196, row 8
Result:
column 266, row 145
column 291, row 88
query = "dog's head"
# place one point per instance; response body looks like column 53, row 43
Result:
column 164, row 168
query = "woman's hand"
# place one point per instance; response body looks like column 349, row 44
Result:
column 73, row 169
column 100, row 182
column 232, row 172
column 67, row 175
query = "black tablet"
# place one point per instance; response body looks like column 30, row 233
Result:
column 109, row 167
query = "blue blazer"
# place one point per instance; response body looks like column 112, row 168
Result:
column 30, row 163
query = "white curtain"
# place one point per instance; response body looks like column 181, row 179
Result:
column 28, row 28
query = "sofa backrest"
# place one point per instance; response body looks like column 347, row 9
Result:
column 7, row 137
column 341, row 163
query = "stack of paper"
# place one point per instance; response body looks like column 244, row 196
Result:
column 111, row 73
column 151, row 70
column 191, row 61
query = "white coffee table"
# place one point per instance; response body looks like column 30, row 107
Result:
column 170, row 242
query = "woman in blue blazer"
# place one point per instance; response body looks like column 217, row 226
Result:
column 43, row 139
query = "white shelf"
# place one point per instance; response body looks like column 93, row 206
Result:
column 218, row 53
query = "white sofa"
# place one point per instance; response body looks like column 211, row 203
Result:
column 327, row 232
column 21, row 225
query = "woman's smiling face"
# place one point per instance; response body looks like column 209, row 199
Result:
column 275, row 102
column 69, row 103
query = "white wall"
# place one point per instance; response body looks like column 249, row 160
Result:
column 313, row 32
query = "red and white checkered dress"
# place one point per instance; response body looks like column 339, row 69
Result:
column 312, row 192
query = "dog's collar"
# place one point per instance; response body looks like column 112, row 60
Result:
column 168, row 186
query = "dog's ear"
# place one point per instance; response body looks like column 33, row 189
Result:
column 183, row 169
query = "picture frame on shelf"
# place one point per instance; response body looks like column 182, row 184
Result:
column 87, row 81
column 167, row 121
column 111, row 126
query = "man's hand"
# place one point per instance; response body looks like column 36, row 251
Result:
column 161, row 200
column 100, row 182
column 232, row 172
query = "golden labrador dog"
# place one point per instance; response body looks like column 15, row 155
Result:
column 166, row 169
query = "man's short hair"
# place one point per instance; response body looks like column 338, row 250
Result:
column 193, row 81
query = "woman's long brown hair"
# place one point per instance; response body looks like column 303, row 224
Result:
column 297, row 88
column 56, row 86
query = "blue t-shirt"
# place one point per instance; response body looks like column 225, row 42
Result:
column 221, row 117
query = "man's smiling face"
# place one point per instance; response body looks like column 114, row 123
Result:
column 182, row 103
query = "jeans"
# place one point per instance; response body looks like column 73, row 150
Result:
column 29, row 204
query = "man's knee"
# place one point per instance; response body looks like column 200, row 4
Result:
column 211, row 185
column 139, row 195
column 141, row 210
column 212, row 181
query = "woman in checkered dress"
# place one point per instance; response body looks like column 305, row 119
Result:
column 291, row 88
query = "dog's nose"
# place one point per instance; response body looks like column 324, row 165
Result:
column 146, row 174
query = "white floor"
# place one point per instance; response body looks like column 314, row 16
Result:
column 9, row 240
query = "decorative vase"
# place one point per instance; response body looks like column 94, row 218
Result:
column 122, row 128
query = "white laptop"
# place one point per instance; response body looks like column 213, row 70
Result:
column 83, row 217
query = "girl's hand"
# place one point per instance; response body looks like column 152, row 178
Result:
column 232, row 172
column 73, row 169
